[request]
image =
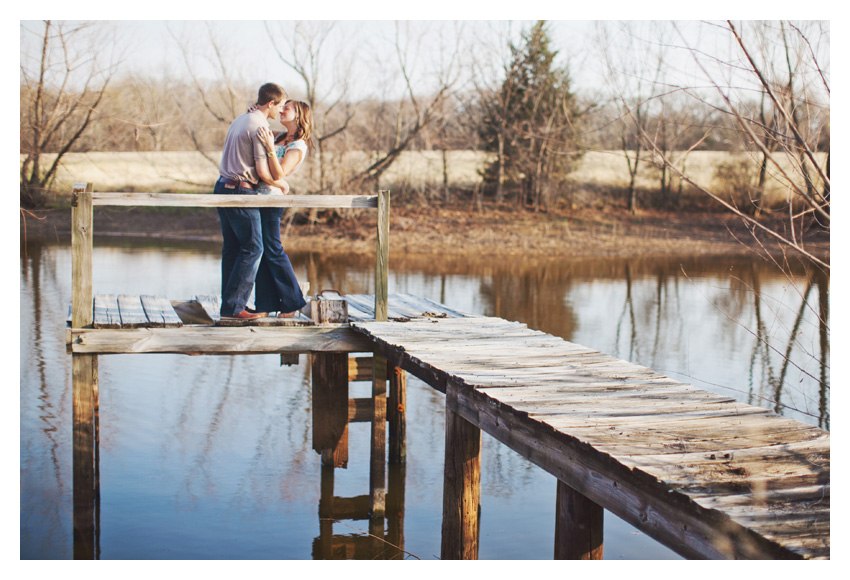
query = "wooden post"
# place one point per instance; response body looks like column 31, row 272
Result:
column 578, row 526
column 84, row 378
column 378, row 455
column 330, row 407
column 382, row 258
column 461, row 484
column 396, row 406
column 82, row 223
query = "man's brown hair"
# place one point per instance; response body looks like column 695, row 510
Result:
column 270, row 92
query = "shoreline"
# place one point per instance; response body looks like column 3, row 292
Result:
column 457, row 231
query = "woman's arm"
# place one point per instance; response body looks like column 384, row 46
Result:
column 291, row 161
column 267, row 139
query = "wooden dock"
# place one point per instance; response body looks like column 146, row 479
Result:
column 705, row 475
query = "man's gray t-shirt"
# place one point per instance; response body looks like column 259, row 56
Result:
column 242, row 148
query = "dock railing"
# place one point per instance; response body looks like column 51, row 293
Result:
column 85, row 387
column 84, row 198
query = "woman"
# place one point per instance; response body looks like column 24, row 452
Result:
column 276, row 287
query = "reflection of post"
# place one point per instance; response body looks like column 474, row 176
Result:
column 378, row 456
column 330, row 407
column 326, row 515
column 396, row 407
column 461, row 484
column 395, row 508
column 578, row 526
column 86, row 484
column 84, row 382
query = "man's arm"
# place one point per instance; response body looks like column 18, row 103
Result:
column 262, row 165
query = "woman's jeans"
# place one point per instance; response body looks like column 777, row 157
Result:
column 277, row 287
column 241, row 250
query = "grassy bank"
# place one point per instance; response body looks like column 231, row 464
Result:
column 600, row 179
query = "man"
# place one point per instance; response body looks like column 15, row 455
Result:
column 244, row 163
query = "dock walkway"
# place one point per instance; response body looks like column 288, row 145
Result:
column 706, row 475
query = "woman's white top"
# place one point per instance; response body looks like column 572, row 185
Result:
column 280, row 151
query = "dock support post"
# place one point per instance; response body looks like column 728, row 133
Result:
column 84, row 378
column 461, row 484
column 330, row 407
column 378, row 455
column 382, row 257
column 578, row 526
column 396, row 410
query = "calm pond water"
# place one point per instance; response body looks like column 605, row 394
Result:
column 211, row 457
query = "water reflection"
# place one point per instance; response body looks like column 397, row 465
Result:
column 210, row 457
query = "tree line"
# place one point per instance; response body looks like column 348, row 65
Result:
column 766, row 94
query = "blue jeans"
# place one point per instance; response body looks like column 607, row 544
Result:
column 277, row 287
column 241, row 251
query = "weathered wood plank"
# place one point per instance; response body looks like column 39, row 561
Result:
column 132, row 312
column 211, row 200
column 218, row 340
column 106, row 312
column 211, row 306
column 160, row 312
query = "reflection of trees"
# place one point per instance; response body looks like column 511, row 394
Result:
column 43, row 445
column 534, row 296
column 628, row 307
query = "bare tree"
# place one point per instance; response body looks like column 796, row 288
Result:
column 65, row 71
column 327, row 88
column 795, row 164
column 223, row 98
column 415, row 112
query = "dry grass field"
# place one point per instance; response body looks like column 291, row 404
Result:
column 191, row 172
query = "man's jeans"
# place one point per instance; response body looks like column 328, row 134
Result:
column 240, row 252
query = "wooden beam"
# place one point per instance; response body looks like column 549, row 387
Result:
column 578, row 526
column 212, row 200
column 208, row 340
column 461, row 485
column 330, row 407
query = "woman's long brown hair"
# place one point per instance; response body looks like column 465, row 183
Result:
column 304, row 123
